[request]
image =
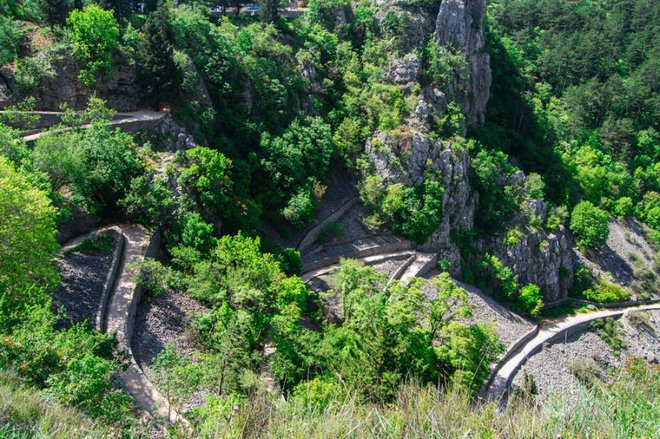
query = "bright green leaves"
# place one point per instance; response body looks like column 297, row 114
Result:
column 94, row 34
column 27, row 231
column 590, row 224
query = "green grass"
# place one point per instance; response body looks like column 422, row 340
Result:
column 626, row 407
column 566, row 309
column 26, row 413
column 99, row 245
column 623, row 407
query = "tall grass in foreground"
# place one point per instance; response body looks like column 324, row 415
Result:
column 625, row 407
column 25, row 413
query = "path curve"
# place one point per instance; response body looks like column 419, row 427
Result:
column 120, row 319
column 502, row 381
column 368, row 260
column 128, row 122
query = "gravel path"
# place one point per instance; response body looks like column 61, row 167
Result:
column 82, row 278
column 551, row 367
column 162, row 320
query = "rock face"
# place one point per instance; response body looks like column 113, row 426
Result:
column 406, row 159
column 405, row 70
column 545, row 258
column 174, row 136
column 60, row 85
column 460, row 27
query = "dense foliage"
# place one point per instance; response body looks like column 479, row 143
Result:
column 276, row 106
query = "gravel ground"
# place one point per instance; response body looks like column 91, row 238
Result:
column 509, row 325
column 352, row 223
column 83, row 277
column 162, row 320
column 390, row 266
column 624, row 254
column 551, row 367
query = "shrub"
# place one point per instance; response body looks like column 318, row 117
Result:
column 414, row 213
column 582, row 281
column 152, row 276
column 606, row 292
column 589, row 223
column 10, row 35
column 530, row 299
column 623, row 207
column 610, row 331
column 585, row 370
column 333, row 231
column 639, row 319
column 94, row 34
column 290, row 261
column 299, row 211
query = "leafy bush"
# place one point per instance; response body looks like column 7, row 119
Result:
column 299, row 211
column 294, row 160
column 585, row 370
column 27, row 231
column 607, row 292
column 412, row 212
column 589, row 223
column 610, row 331
column 10, row 35
column 152, row 276
column 333, row 231
column 94, row 35
column 290, row 261
column 530, row 299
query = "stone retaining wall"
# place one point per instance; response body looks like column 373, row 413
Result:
column 111, row 279
column 608, row 305
column 315, row 232
column 385, row 248
column 402, row 269
column 510, row 352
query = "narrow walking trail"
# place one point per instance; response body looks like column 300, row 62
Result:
column 120, row 320
column 129, row 122
column 548, row 333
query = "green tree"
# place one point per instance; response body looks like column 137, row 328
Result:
column 590, row 224
column 109, row 164
column 27, row 232
column 206, row 177
column 157, row 71
column 176, row 376
column 95, row 35
column 269, row 10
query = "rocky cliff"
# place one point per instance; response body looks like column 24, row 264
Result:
column 460, row 27
column 406, row 155
column 57, row 83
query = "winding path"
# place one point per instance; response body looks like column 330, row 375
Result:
column 117, row 313
column 128, row 122
column 500, row 384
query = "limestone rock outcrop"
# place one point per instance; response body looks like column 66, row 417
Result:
column 460, row 27
column 538, row 256
column 405, row 70
column 59, row 84
column 406, row 159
